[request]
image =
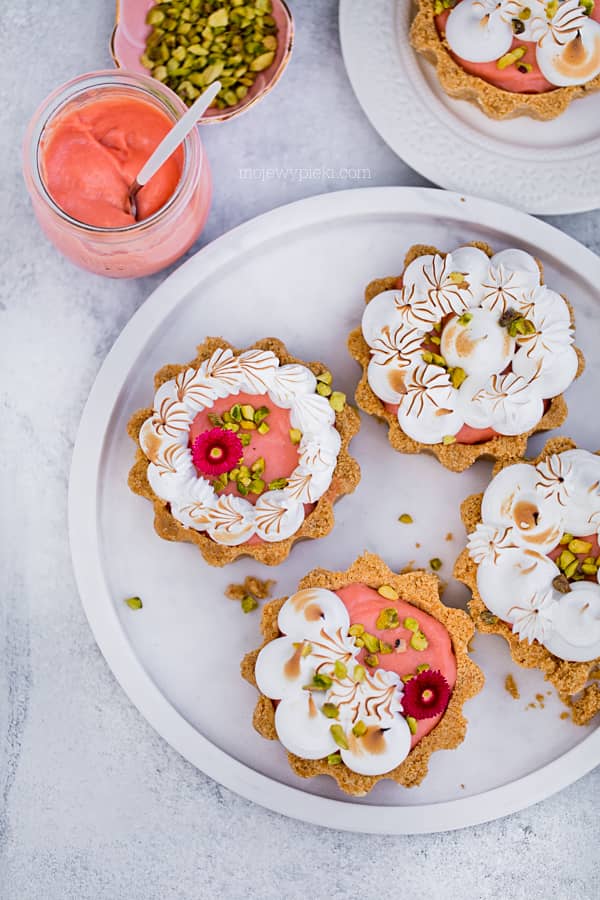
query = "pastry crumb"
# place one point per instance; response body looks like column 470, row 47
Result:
column 565, row 715
column 418, row 546
column 250, row 591
column 510, row 685
column 449, row 536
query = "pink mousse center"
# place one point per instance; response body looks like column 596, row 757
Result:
column 364, row 605
column 509, row 79
column 275, row 447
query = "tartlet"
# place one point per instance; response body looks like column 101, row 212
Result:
column 363, row 675
column 532, row 563
column 244, row 452
column 512, row 57
column 466, row 354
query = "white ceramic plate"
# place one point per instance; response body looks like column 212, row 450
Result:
column 298, row 272
column 541, row 167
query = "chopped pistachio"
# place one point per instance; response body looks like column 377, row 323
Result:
column 435, row 563
column 488, row 618
column 358, row 642
column 236, row 412
column 320, row 682
column 134, row 602
column 245, row 439
column 334, row 759
column 337, row 401
column 263, row 428
column 371, row 642
column 330, row 710
column 232, row 426
column 278, row 484
column 387, row 619
column 324, row 390
column 337, row 733
column 589, row 569
column 411, row 624
column 412, row 724
column 356, row 630
column 449, row 439
column 408, row 677
column 248, row 425
column 307, row 649
column 457, row 376
column 359, row 729
column 359, row 673
column 248, row 412
column 512, row 57
column 427, row 356
column 571, row 569
column 579, row 546
column 258, row 465
column 465, row 318
column 340, row 669
column 565, row 559
column 257, row 486
column 406, row 519
column 384, row 647
column 418, row 641
column 261, row 413
column 295, row 435
column 325, row 377
column 249, row 603
column 424, row 667
column 372, row 660
column 387, row 591
column 566, row 538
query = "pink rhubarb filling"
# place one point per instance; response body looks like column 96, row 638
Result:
column 364, row 605
column 511, row 78
column 275, row 447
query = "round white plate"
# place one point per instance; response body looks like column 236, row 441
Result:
column 298, row 272
column 541, row 167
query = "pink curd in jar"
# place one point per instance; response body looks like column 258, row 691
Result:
column 83, row 149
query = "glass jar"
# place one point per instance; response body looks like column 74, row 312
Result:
column 132, row 250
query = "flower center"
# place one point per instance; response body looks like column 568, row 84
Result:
column 427, row 696
column 217, row 453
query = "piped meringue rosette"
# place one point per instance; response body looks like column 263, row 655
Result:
column 533, row 560
column 512, row 57
column 356, row 678
column 240, row 447
column 468, row 346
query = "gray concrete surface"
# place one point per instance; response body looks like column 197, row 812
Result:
column 93, row 804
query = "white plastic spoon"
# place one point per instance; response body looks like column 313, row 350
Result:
column 171, row 141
